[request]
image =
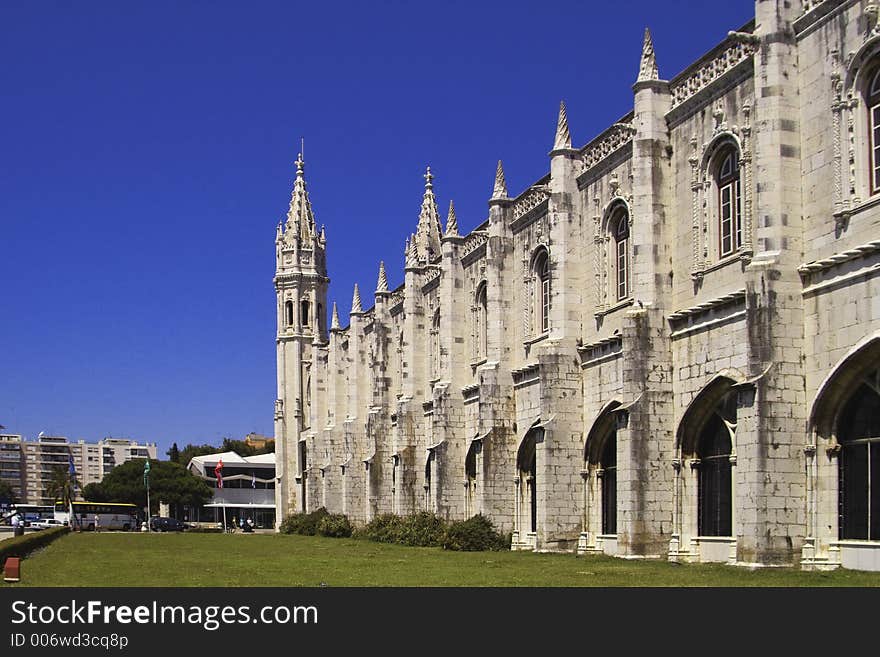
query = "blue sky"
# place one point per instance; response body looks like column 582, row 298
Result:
column 146, row 156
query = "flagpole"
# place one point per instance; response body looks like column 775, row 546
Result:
column 148, row 505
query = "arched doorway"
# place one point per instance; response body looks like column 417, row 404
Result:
column 527, row 489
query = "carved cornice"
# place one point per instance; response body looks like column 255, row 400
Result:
column 529, row 200
column 618, row 135
column 733, row 297
column 735, row 49
column 839, row 258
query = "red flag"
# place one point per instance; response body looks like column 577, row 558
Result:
column 218, row 472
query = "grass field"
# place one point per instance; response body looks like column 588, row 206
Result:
column 118, row 559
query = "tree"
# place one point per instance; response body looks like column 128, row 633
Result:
column 61, row 486
column 7, row 494
column 169, row 482
column 174, row 454
column 189, row 451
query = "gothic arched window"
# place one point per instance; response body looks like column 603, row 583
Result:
column 872, row 102
column 715, row 490
column 727, row 181
column 609, row 484
column 541, row 271
column 620, row 228
column 288, row 313
column 859, row 463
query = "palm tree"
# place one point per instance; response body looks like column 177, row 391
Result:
column 61, row 486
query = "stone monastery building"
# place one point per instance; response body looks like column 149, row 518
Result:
column 668, row 346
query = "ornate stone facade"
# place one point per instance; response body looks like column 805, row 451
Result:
column 668, row 346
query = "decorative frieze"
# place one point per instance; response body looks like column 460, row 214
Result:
column 706, row 72
column 529, row 200
column 617, row 136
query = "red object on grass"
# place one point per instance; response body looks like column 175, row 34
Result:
column 12, row 570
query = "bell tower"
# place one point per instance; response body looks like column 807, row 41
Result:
column 301, row 299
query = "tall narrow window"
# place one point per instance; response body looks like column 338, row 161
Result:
column 859, row 463
column 480, row 327
column 621, row 240
column 288, row 313
column 542, row 293
column 729, row 214
column 304, row 313
column 873, row 104
column 715, row 503
column 609, row 485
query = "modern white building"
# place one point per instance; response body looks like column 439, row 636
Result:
column 248, row 488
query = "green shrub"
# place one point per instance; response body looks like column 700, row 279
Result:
column 303, row 523
column 422, row 530
column 334, row 525
column 382, row 529
column 21, row 546
column 475, row 533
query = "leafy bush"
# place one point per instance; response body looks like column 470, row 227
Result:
column 303, row 523
column 382, row 529
column 422, row 530
column 475, row 533
column 334, row 525
column 21, row 546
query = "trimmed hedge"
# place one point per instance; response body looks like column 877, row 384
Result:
column 21, row 546
column 474, row 534
column 303, row 523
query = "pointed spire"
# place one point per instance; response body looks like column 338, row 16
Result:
column 428, row 232
column 412, row 256
column 451, row 223
column 323, row 234
column 500, row 191
column 648, row 67
column 300, row 219
column 563, row 136
column 382, row 285
column 334, row 323
column 356, row 301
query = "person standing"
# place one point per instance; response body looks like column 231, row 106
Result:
column 96, row 523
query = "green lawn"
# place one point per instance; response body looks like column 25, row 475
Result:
column 117, row 559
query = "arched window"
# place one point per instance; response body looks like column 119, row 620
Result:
column 715, row 490
column 319, row 315
column 480, row 328
column 859, row 462
column 609, row 484
column 288, row 313
column 526, row 462
column 470, row 474
column 542, row 292
column 429, row 501
column 872, row 102
column 620, row 228
column 730, row 232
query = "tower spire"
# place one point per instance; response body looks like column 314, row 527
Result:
column 356, row 301
column 382, row 285
column 451, row 223
column 563, row 136
column 300, row 219
column 334, row 322
column 500, row 190
column 428, row 232
column 648, row 67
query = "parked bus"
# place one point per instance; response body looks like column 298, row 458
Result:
column 29, row 512
column 111, row 515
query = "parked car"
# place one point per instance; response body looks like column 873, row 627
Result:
column 159, row 524
column 48, row 523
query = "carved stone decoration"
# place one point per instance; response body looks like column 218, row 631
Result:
column 697, row 265
column 382, row 283
column 532, row 198
column 617, row 136
column 648, row 67
column 451, row 222
column 500, row 189
column 563, row 136
column 356, row 301
column 334, row 322
column 738, row 50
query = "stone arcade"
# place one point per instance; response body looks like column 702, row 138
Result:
column 668, row 346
